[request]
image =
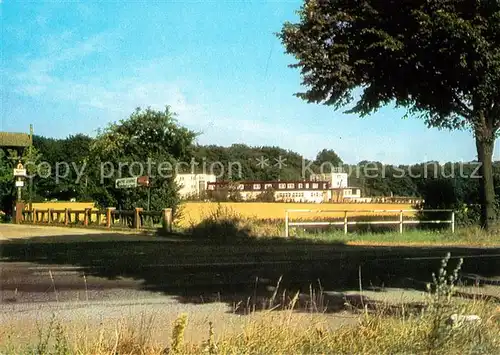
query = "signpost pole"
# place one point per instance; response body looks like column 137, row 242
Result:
column 19, row 192
column 149, row 197
column 19, row 175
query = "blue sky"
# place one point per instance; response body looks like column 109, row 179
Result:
column 71, row 67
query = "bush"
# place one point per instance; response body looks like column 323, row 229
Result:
column 460, row 195
column 224, row 224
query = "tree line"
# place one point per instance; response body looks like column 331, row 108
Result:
column 75, row 167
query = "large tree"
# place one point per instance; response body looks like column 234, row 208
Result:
column 149, row 142
column 438, row 58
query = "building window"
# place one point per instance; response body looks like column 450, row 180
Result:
column 241, row 187
column 307, row 185
column 256, row 186
column 301, row 186
column 282, row 186
column 315, row 186
column 348, row 192
column 324, row 185
column 268, row 186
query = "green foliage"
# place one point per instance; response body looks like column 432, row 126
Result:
column 7, row 192
column 438, row 59
column 63, row 182
column 266, row 196
column 225, row 225
column 150, row 143
column 440, row 304
column 328, row 158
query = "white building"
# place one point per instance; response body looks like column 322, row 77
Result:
column 193, row 185
column 339, row 189
column 336, row 180
column 286, row 191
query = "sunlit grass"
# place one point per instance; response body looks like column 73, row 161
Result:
column 382, row 329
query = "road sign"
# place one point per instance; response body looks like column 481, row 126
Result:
column 143, row 180
column 19, row 172
column 19, row 183
column 126, row 183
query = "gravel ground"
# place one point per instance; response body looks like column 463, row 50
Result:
column 34, row 292
column 16, row 231
column 158, row 313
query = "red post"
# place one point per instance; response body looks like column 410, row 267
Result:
column 18, row 212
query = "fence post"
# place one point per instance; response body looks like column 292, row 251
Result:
column 66, row 216
column 452, row 221
column 401, row 222
column 167, row 219
column 35, row 216
column 345, row 222
column 86, row 217
column 286, row 224
column 137, row 217
column 108, row 216
column 50, row 216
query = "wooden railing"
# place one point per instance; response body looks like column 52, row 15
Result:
column 346, row 222
column 107, row 218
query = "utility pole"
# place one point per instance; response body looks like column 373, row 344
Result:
column 30, row 190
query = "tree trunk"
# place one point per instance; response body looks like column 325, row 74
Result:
column 486, row 185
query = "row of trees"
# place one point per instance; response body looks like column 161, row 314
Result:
column 85, row 168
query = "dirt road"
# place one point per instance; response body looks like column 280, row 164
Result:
column 90, row 277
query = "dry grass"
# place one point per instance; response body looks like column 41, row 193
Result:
column 281, row 333
column 195, row 212
column 380, row 330
column 224, row 223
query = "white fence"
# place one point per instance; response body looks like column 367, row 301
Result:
column 346, row 222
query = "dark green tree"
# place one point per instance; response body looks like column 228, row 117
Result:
column 328, row 159
column 440, row 59
column 149, row 142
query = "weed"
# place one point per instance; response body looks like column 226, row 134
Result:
column 178, row 334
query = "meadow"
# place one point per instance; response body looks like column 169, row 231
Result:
column 194, row 212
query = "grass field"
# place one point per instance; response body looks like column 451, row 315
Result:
column 195, row 212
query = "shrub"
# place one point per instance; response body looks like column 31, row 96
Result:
column 225, row 224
